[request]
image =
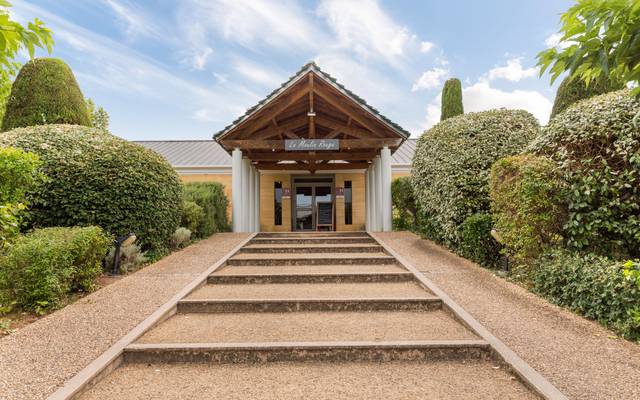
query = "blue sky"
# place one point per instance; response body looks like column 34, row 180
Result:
column 184, row 69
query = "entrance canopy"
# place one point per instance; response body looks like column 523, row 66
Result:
column 311, row 123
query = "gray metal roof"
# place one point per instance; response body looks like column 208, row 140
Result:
column 208, row 153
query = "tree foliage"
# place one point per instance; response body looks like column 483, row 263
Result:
column 404, row 204
column 572, row 90
column 603, row 40
column 451, row 99
column 45, row 92
column 99, row 116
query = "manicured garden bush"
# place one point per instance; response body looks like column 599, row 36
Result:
column 180, row 238
column 45, row 92
column 192, row 215
column 404, row 204
column 451, row 166
column 451, row 99
column 95, row 178
column 597, row 148
column 211, row 198
column 476, row 242
column 527, row 201
column 594, row 286
column 42, row 267
column 571, row 91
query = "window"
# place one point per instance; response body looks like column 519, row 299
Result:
column 277, row 203
column 348, row 201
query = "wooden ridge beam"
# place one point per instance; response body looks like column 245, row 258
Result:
column 317, row 156
column 345, row 144
column 349, row 130
column 280, row 129
column 317, row 167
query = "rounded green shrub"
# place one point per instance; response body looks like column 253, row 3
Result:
column 95, row 178
column 45, row 92
column 213, row 202
column 452, row 161
column 42, row 267
column 451, row 99
column 528, row 205
column 571, row 91
column 597, row 148
column 404, row 204
column 192, row 215
column 476, row 242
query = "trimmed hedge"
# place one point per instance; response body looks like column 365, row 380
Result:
column 45, row 92
column 96, row 178
column 597, row 148
column 404, row 204
column 451, row 166
column 211, row 198
column 571, row 91
column 451, row 99
column 476, row 242
column 42, row 267
column 527, row 200
column 593, row 286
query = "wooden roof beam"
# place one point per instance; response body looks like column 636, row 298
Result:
column 365, row 155
column 345, row 144
column 319, row 167
column 356, row 132
column 280, row 129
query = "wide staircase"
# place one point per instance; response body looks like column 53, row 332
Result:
column 312, row 315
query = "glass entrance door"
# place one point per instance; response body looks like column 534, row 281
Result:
column 313, row 206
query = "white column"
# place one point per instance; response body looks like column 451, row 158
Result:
column 372, row 194
column 236, row 189
column 256, row 200
column 379, row 205
column 246, row 184
column 367, row 201
column 387, row 215
column 252, row 198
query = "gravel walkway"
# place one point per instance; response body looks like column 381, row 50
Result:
column 40, row 357
column 578, row 356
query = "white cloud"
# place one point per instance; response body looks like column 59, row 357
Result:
column 135, row 21
column 513, row 71
column 258, row 74
column 426, row 47
column 553, row 40
column 430, row 79
column 362, row 26
column 199, row 59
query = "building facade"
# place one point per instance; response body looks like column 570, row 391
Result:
column 312, row 156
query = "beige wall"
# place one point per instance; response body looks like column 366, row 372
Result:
column 267, row 203
column 395, row 175
column 358, row 199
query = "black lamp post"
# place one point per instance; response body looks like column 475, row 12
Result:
column 505, row 259
column 124, row 240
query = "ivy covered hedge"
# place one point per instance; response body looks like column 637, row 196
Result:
column 597, row 148
column 403, row 204
column 571, row 91
column 45, row 92
column 205, row 208
column 452, row 162
column 95, row 178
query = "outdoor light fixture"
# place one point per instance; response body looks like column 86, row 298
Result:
column 124, row 240
column 505, row 259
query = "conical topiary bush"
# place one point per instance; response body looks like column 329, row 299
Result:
column 45, row 92
column 451, row 99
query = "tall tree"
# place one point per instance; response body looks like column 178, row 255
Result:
column 13, row 38
column 99, row 116
column 601, row 40
column 451, row 99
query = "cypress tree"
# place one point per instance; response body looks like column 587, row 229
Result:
column 451, row 99
column 573, row 90
column 45, row 92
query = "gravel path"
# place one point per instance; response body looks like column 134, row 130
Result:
column 307, row 327
column 310, row 290
column 578, row 356
column 398, row 381
column 40, row 357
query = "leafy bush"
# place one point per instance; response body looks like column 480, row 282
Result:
column 451, row 99
column 192, row 215
column 404, row 204
column 527, row 201
column 452, row 161
column 180, row 237
column 45, row 92
column 477, row 244
column 42, row 267
column 18, row 175
column 98, row 179
column 131, row 258
column 593, row 286
column 571, row 91
column 210, row 196
column 596, row 146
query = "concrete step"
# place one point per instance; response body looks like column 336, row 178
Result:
column 223, row 353
column 313, row 240
column 308, row 327
column 311, row 259
column 307, row 269
column 310, row 234
column 452, row 380
column 424, row 303
column 313, row 248
column 295, row 291
column 312, row 277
